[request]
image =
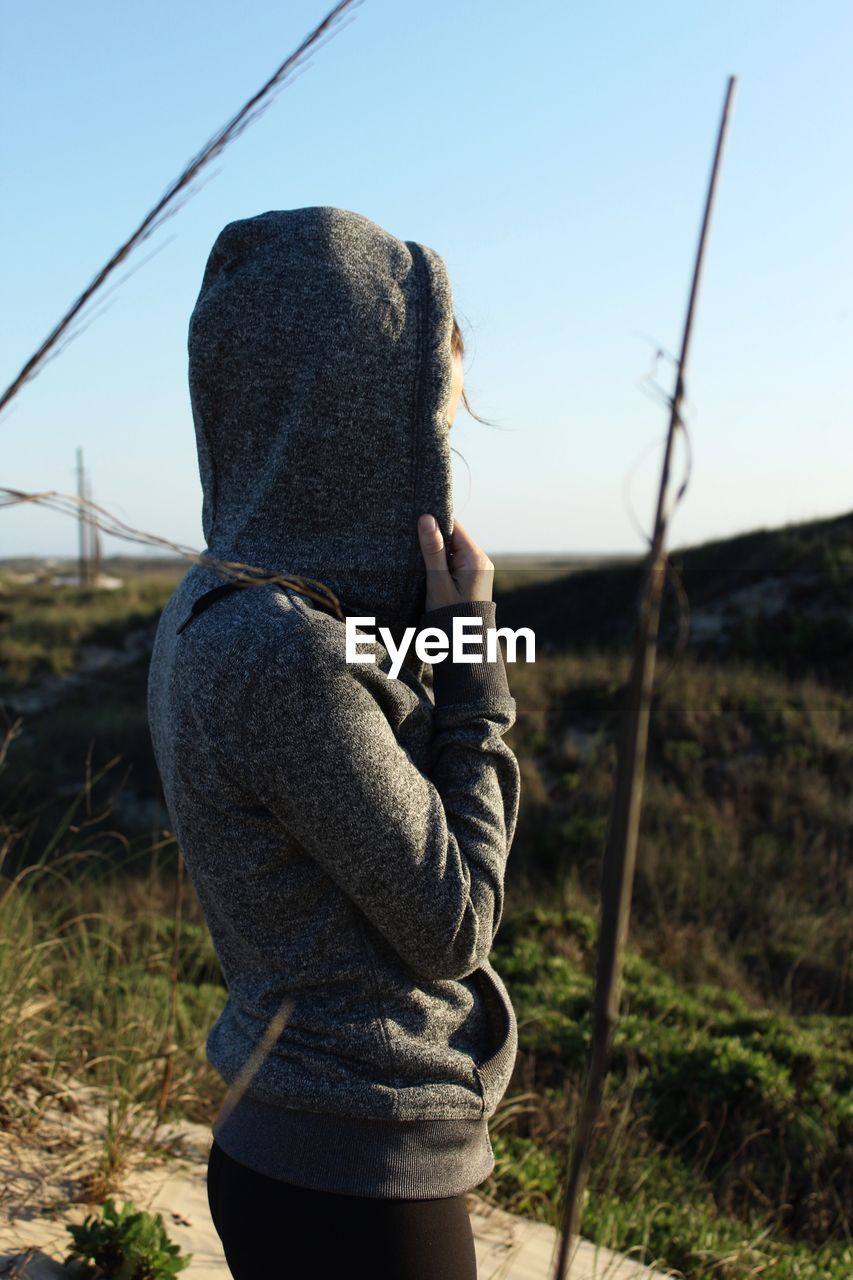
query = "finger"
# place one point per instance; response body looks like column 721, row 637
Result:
column 460, row 537
column 432, row 542
column 464, row 551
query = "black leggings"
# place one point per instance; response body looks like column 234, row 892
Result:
column 273, row 1230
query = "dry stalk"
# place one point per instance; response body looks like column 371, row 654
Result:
column 617, row 876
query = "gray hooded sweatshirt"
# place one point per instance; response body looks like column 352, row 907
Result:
column 346, row 831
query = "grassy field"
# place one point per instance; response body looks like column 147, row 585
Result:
column 724, row 1144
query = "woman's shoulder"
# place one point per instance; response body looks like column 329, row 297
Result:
column 286, row 629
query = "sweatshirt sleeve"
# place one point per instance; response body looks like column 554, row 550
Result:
column 421, row 855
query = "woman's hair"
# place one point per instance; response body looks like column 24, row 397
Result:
column 458, row 348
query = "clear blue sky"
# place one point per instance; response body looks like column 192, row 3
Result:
column 556, row 156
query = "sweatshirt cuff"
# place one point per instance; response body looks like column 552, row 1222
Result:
column 462, row 682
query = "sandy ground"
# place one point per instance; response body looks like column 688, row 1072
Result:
column 41, row 1174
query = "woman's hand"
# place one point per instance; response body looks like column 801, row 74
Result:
column 471, row 574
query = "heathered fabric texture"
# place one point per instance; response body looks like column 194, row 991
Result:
column 346, row 832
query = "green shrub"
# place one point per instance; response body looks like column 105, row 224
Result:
column 130, row 1245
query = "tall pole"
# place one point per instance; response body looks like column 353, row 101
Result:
column 617, row 876
column 81, row 522
column 95, row 540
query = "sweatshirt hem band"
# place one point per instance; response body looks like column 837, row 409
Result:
column 386, row 1159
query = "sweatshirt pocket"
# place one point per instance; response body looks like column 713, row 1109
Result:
column 493, row 1072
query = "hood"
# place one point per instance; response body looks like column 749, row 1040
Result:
column 320, row 373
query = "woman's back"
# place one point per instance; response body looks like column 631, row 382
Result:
column 346, row 831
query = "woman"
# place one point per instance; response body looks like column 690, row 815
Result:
column 346, row 831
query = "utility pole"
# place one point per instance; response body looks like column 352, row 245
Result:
column 83, row 566
column 95, row 541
